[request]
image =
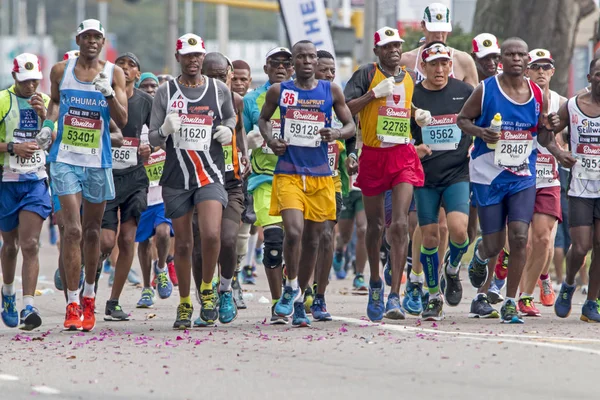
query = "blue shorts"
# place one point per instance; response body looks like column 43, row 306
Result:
column 388, row 207
column 513, row 206
column 429, row 200
column 152, row 217
column 95, row 184
column 30, row 196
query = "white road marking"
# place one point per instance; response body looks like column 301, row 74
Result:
column 45, row 390
column 6, row 377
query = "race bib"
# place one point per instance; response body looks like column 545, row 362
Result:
column 81, row 135
column 393, row 125
column 228, row 153
column 276, row 131
column 588, row 163
column 195, row 133
column 442, row 133
column 545, row 169
column 302, row 127
column 154, row 167
column 127, row 155
column 333, row 155
column 23, row 165
column 513, row 150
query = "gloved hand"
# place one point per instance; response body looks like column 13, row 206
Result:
column 171, row 125
column 44, row 138
column 255, row 139
column 223, row 134
column 422, row 117
column 103, row 85
column 384, row 88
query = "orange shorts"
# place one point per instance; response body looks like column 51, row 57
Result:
column 313, row 195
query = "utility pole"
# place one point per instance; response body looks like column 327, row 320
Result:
column 370, row 18
column 223, row 27
column 189, row 16
column 103, row 17
column 172, row 35
column 22, row 18
column 80, row 12
column 40, row 26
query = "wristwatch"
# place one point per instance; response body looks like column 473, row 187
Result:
column 10, row 148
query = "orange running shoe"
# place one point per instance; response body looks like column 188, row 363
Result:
column 73, row 317
column 89, row 319
column 527, row 307
column 547, row 296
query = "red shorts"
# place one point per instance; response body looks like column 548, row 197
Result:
column 547, row 201
column 382, row 168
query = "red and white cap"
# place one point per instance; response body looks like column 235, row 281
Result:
column 71, row 54
column 435, row 52
column 485, row 44
column 27, row 66
column 386, row 35
column 190, row 43
column 536, row 55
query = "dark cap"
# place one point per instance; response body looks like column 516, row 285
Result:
column 132, row 57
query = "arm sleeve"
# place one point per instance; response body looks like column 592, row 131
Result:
column 228, row 114
column 157, row 116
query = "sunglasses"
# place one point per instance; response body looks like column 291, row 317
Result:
column 433, row 50
column 545, row 67
column 277, row 63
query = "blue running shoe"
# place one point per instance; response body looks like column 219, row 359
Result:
column 375, row 306
column 494, row 296
column 338, row 262
column 30, row 318
column 319, row 310
column 53, row 235
column 147, row 300
column 247, row 276
column 227, row 308
column 258, row 255
column 133, row 277
column 509, row 313
column 164, row 285
column 200, row 323
column 106, row 267
column 562, row 307
column 393, row 309
column 300, row 319
column 589, row 311
column 413, row 297
column 425, row 298
column 57, row 281
column 478, row 269
column 359, row 285
column 285, row 305
column 10, row 315
column 387, row 273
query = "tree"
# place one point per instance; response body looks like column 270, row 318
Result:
column 548, row 24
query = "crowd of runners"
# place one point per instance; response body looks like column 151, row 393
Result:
column 422, row 154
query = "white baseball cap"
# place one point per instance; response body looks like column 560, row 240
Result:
column 435, row 52
column 278, row 50
column 536, row 55
column 71, row 54
column 190, row 43
column 386, row 35
column 27, row 66
column 437, row 18
column 90, row 25
column 485, row 44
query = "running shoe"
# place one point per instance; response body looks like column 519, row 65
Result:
column 527, row 308
column 248, row 277
column 509, row 313
column 359, row 285
column 501, row 267
column 300, row 319
column 114, row 312
column 494, row 295
column 53, row 235
column 172, row 271
column 10, row 314
column 57, row 281
column 434, row 311
column 184, row 316
column 412, row 301
column 589, row 311
column 481, row 308
column 88, row 305
column 478, row 269
column 163, row 285
column 30, row 318
column 238, row 294
column 309, row 298
column 258, row 255
column 227, row 308
column 210, row 307
column 199, row 323
column 73, row 317
column 277, row 319
column 393, row 310
column 562, row 307
column 338, row 265
column 133, row 277
column 147, row 299
column 319, row 310
column 547, row 295
column 375, row 306
column 106, row 267
column 452, row 288
column 111, row 276
column 387, row 272
column 285, row 305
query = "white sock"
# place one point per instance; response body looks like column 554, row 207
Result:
column 88, row 290
column 479, row 256
column 225, row 284
column 27, row 301
column 293, row 283
column 73, row 296
column 526, row 295
column 8, row 289
column 251, row 249
column 417, row 278
column 161, row 269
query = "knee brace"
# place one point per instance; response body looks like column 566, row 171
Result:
column 273, row 255
column 242, row 241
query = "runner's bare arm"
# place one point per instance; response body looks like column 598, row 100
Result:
column 240, row 132
column 470, row 111
column 116, row 136
column 356, row 105
column 559, row 121
column 267, row 111
column 544, row 133
column 343, row 113
column 53, row 106
column 158, row 115
column 118, row 103
column 468, row 67
column 564, row 157
column 561, row 137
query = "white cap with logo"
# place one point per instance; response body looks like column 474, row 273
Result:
column 190, row 43
column 278, row 50
column 26, row 66
column 485, row 44
column 437, row 18
column 386, row 35
column 90, row 25
column 536, row 55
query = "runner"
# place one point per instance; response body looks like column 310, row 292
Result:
column 581, row 114
column 446, row 176
column 86, row 94
column 242, row 77
column 278, row 67
column 148, row 83
column 503, row 179
column 304, row 192
column 194, row 170
column 381, row 94
column 547, row 200
column 436, row 26
column 24, row 188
